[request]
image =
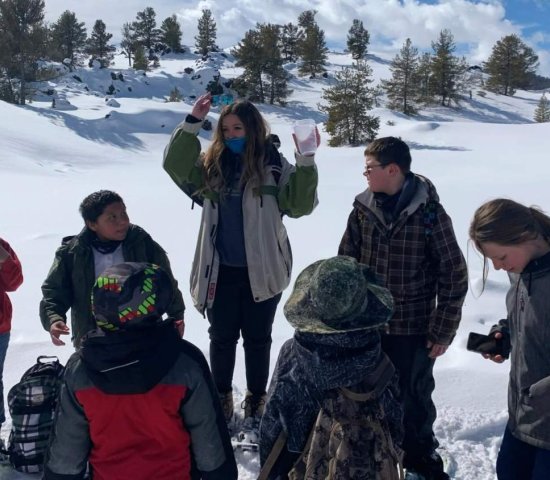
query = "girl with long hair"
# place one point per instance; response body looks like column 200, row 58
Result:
column 516, row 238
column 243, row 259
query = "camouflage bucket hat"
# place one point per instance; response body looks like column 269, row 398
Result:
column 130, row 296
column 338, row 295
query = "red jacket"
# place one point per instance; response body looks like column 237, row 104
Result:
column 11, row 276
column 139, row 405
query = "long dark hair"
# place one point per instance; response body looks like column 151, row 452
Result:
column 256, row 131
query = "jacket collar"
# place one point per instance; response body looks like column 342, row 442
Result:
column 85, row 237
column 537, row 267
column 425, row 192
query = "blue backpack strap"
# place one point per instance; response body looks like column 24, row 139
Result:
column 430, row 217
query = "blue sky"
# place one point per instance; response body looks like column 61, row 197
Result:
column 475, row 24
column 533, row 16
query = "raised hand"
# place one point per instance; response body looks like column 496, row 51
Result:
column 202, row 106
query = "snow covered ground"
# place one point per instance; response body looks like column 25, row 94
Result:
column 52, row 158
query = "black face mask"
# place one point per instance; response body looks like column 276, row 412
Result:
column 108, row 246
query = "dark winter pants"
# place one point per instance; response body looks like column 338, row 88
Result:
column 4, row 342
column 519, row 460
column 416, row 382
column 234, row 311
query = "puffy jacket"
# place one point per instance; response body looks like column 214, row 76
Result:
column 268, row 252
column 11, row 277
column 71, row 278
column 528, row 305
column 139, row 405
column 417, row 260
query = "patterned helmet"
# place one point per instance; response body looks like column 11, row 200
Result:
column 131, row 296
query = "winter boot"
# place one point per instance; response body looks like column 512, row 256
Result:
column 226, row 399
column 254, row 406
column 429, row 467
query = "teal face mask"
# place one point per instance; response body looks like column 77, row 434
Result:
column 236, row 145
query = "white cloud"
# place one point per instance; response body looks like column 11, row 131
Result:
column 475, row 25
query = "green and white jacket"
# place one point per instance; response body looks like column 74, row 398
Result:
column 268, row 253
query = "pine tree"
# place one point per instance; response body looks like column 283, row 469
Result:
column 98, row 44
column 306, row 19
column 424, row 77
column 312, row 47
column 171, row 33
column 145, row 29
column 129, row 43
column 175, row 95
column 358, row 40
column 348, row 104
column 23, row 38
column 542, row 112
column 402, row 89
column 290, row 38
column 205, row 41
column 264, row 76
column 277, row 76
column 140, row 59
column 510, row 65
column 250, row 83
column 446, row 68
column 68, row 37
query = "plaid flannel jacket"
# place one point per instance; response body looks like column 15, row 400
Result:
column 425, row 271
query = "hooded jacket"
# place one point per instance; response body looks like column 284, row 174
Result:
column 11, row 277
column 139, row 404
column 71, row 278
column 309, row 366
column 528, row 322
column 417, row 262
column 268, row 253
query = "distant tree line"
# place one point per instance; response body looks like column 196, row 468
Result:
column 417, row 79
column 25, row 39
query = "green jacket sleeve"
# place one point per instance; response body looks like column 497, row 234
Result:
column 57, row 291
column 182, row 157
column 298, row 187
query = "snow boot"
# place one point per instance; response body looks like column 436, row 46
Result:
column 254, row 406
column 226, row 399
column 429, row 467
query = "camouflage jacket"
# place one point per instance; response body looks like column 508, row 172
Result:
column 309, row 369
column 352, row 437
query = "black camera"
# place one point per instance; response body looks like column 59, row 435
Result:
column 488, row 344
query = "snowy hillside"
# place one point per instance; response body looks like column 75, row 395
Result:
column 53, row 157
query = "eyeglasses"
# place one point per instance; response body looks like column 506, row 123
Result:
column 369, row 168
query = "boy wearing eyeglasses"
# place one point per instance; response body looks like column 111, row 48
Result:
column 400, row 230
